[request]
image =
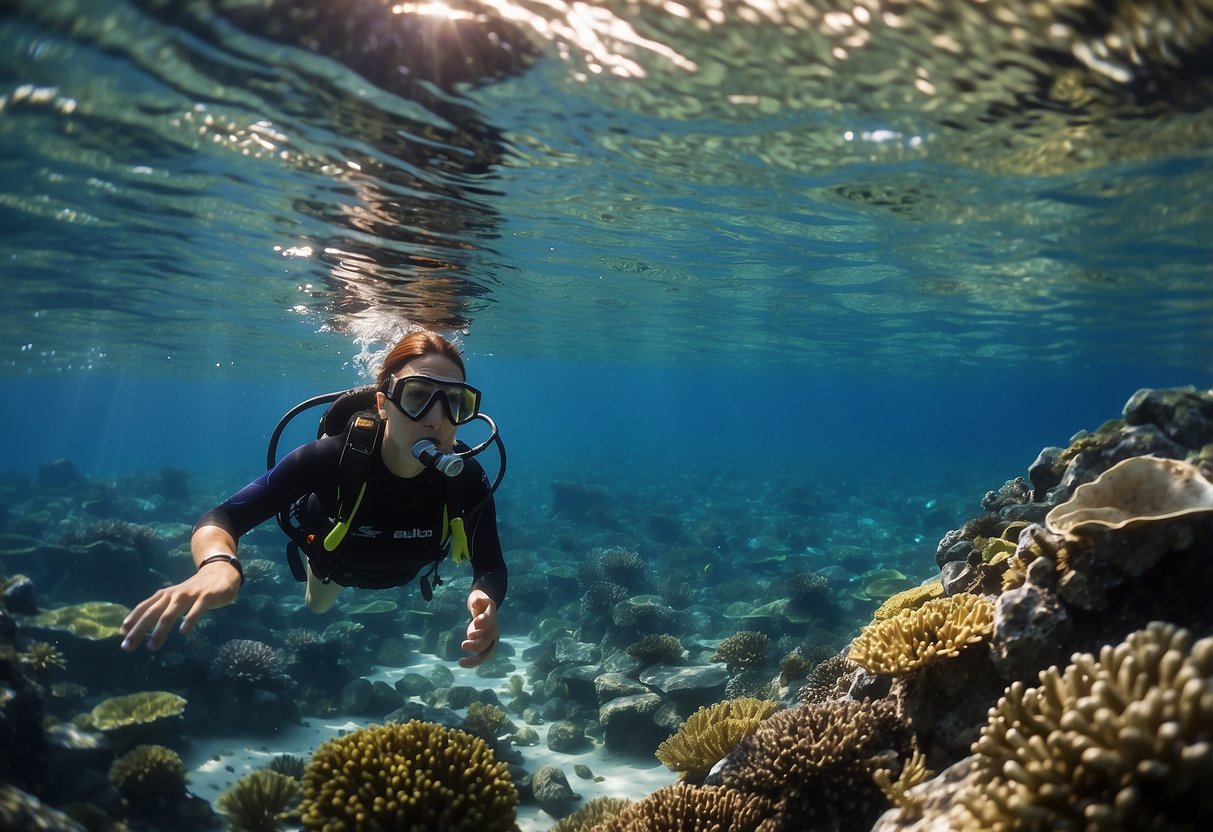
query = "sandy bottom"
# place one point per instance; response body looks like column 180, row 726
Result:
column 215, row 763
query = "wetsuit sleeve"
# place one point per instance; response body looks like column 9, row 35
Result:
column 305, row 470
column 489, row 572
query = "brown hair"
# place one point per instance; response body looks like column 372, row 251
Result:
column 415, row 345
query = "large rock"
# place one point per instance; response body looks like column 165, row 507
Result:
column 628, row 724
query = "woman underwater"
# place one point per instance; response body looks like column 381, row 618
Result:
column 400, row 523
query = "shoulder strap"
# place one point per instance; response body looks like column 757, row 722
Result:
column 362, row 437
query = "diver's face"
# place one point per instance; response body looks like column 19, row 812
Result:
column 434, row 424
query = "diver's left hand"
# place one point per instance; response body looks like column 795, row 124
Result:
column 482, row 632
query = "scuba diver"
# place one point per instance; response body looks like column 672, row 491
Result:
column 382, row 494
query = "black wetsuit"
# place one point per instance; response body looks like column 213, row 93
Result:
column 397, row 530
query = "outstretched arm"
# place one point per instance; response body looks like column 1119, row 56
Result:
column 212, row 586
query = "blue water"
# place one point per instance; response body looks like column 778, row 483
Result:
column 706, row 265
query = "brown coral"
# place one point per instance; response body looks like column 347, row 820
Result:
column 742, row 650
column 942, row 627
column 589, row 816
column 710, row 733
column 818, row 761
column 1124, row 741
column 661, row 647
column 416, row 775
column 259, row 801
column 691, row 809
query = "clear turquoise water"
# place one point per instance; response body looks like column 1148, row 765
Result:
column 711, row 263
column 204, row 225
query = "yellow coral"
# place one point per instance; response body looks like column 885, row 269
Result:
column 710, row 733
column 149, row 774
column 685, row 807
column 913, row 772
column 942, row 627
column 135, row 709
column 589, row 816
column 94, row 620
column 259, row 801
column 416, row 775
column 1124, row 741
column 910, row 599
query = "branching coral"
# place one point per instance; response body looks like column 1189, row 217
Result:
column 824, row 680
column 246, row 660
column 683, row 807
column 486, row 721
column 913, row 771
column 415, row 775
column 938, row 628
column 602, row 595
column 710, row 733
column 742, row 650
column 287, row 764
column 818, row 761
column 623, row 566
column 259, row 801
column 41, row 657
column 148, row 774
column 657, row 648
column 589, row 816
column 1124, row 741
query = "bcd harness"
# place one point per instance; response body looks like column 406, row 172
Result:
column 363, row 436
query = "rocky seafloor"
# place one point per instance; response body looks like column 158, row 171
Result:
column 795, row 654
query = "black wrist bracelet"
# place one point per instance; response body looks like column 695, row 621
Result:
column 229, row 559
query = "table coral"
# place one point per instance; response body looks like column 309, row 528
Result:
column 1122, row 741
column 408, row 776
column 710, row 733
column 938, row 628
column 135, row 709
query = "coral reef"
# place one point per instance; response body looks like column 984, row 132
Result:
column 938, row 628
column 591, row 815
column 824, row 679
column 909, row 599
column 686, row 807
column 94, row 620
column 415, row 775
column 135, row 709
column 259, row 801
column 486, row 721
column 816, row 762
column 743, row 650
column 249, row 661
column 661, row 647
column 149, row 774
column 710, row 733
column 1122, row 741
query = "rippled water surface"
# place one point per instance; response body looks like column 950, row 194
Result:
column 907, row 187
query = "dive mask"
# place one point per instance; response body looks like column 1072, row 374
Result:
column 415, row 395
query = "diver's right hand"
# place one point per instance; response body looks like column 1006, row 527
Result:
column 154, row 618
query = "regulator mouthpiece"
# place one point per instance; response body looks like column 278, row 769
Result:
column 426, row 452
